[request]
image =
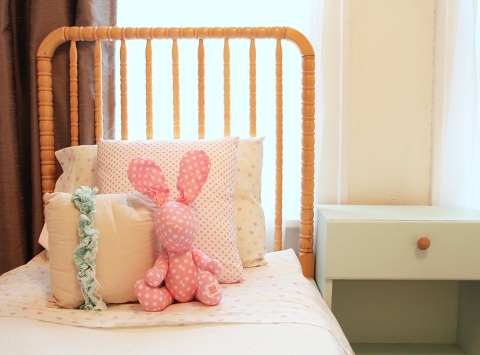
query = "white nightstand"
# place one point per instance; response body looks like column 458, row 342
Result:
column 379, row 243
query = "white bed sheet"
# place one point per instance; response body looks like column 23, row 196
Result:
column 20, row 334
column 27, row 336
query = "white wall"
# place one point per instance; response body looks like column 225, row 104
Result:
column 389, row 83
column 374, row 138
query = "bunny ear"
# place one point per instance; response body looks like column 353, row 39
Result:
column 147, row 177
column 194, row 169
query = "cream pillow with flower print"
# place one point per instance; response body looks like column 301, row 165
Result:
column 251, row 240
column 79, row 165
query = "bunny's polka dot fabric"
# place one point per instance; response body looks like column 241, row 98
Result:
column 215, row 207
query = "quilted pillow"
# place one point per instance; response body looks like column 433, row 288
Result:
column 127, row 246
column 215, row 206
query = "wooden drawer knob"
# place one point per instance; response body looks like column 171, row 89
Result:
column 423, row 243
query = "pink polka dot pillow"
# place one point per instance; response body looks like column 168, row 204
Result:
column 215, row 206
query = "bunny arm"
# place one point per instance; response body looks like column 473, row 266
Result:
column 205, row 263
column 157, row 274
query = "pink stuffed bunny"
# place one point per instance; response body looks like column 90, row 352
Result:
column 187, row 273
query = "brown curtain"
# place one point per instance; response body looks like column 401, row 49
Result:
column 23, row 25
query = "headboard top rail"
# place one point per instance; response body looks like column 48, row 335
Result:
column 103, row 33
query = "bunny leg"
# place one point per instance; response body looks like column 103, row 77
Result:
column 205, row 263
column 152, row 299
column 208, row 289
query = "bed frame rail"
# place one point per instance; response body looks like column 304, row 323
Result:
column 97, row 34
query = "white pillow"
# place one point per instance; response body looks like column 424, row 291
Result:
column 127, row 246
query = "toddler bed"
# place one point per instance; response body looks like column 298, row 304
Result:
column 268, row 304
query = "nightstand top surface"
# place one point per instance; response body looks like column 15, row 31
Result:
column 398, row 213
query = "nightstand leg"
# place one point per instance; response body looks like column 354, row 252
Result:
column 327, row 292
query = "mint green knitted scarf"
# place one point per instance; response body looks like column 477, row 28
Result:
column 86, row 252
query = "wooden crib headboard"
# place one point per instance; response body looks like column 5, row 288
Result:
column 97, row 34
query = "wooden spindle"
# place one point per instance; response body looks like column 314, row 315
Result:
column 123, row 90
column 306, row 256
column 201, row 90
column 176, row 91
column 45, row 112
column 98, row 92
column 253, row 90
column 279, row 147
column 149, row 88
column 73, row 93
column 226, row 89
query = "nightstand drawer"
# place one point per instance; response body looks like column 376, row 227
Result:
column 388, row 250
column 380, row 242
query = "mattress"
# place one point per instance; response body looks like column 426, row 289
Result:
column 274, row 309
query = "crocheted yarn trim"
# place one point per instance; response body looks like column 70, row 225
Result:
column 86, row 252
